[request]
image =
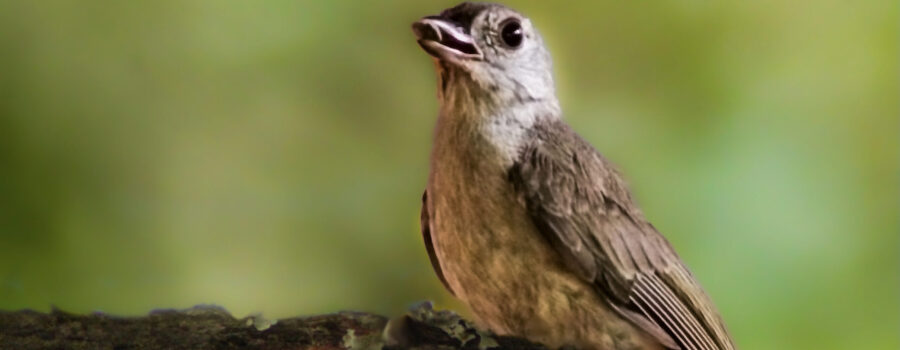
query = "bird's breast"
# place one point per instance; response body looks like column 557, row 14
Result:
column 497, row 261
column 489, row 251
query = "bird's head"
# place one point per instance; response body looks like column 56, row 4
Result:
column 487, row 51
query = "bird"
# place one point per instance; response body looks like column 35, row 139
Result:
column 525, row 221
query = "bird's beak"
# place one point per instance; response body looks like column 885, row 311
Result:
column 445, row 40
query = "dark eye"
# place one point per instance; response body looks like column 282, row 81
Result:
column 511, row 33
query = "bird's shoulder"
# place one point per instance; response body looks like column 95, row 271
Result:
column 557, row 160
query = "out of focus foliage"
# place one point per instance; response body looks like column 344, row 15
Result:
column 269, row 156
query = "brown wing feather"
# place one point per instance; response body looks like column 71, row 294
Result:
column 583, row 207
column 425, row 223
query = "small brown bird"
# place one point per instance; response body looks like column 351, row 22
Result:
column 529, row 225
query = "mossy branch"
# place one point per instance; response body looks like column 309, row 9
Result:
column 210, row 327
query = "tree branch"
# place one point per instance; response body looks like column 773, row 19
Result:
column 210, row 327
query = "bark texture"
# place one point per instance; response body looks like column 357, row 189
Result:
column 210, row 327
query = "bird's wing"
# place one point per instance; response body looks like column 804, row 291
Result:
column 583, row 207
column 425, row 222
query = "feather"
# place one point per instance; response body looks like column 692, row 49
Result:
column 425, row 222
column 581, row 204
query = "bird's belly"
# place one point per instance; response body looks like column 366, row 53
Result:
column 500, row 265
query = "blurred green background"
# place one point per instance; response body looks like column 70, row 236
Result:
column 270, row 156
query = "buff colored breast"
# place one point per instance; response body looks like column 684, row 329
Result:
column 497, row 262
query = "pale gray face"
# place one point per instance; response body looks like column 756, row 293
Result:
column 497, row 48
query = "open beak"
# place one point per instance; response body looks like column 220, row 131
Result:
column 445, row 40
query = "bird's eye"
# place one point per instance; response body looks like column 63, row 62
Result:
column 511, row 33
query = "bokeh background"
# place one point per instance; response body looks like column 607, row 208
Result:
column 270, row 156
